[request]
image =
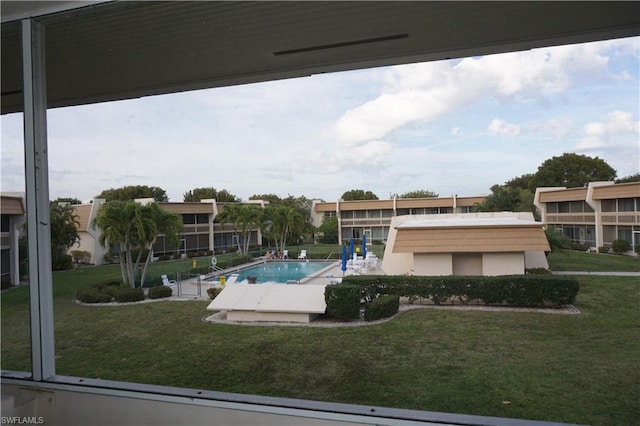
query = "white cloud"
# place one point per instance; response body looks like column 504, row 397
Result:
column 502, row 128
column 429, row 90
column 612, row 130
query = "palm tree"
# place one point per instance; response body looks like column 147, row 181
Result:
column 132, row 227
column 114, row 224
column 158, row 221
column 244, row 218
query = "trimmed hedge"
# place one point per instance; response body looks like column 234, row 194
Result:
column 160, row 291
column 213, row 292
column 92, row 295
column 128, row 294
column 512, row 290
column 343, row 301
column 382, row 307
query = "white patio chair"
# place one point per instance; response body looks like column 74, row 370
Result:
column 173, row 284
column 303, row 254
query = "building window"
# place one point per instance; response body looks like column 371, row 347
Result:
column 347, row 215
column 374, row 214
column 403, row 212
column 202, row 218
column 552, row 207
column 188, row 219
column 608, row 206
column 360, row 214
column 386, row 213
column 626, row 205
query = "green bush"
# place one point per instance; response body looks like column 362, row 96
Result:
column 160, row 291
column 165, row 257
column 579, row 247
column 514, row 290
column 382, row 307
column 92, row 295
column 213, row 292
column 603, row 249
column 128, row 294
column 80, row 256
column 620, row 246
column 537, row 271
column 343, row 301
column 62, row 263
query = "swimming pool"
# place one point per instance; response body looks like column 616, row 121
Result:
column 281, row 272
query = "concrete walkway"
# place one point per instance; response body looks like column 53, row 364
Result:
column 615, row 274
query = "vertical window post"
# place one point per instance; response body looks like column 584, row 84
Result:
column 37, row 195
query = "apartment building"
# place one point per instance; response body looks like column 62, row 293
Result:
column 200, row 229
column 595, row 215
column 373, row 217
column 12, row 218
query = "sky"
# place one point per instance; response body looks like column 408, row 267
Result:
column 457, row 126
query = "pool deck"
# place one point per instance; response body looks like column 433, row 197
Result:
column 329, row 275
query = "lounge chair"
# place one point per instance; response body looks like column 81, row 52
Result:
column 303, row 254
column 285, row 254
column 232, row 279
column 173, row 284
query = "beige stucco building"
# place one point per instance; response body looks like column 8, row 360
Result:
column 373, row 217
column 12, row 213
column 465, row 244
column 594, row 215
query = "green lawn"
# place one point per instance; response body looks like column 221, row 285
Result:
column 592, row 262
column 580, row 369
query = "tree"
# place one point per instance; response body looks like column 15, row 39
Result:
column 522, row 182
column 419, row 193
column 506, row 198
column 358, row 194
column 133, row 229
column 571, row 171
column 244, row 218
column 557, row 240
column 281, row 222
column 133, row 192
column 159, row 222
column 629, row 179
column 64, row 234
column 329, row 230
column 271, row 198
column 210, row 193
column 68, row 200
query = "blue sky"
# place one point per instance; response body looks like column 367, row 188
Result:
column 452, row 127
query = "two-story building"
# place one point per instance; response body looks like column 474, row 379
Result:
column 373, row 217
column 12, row 219
column 594, row 215
column 201, row 231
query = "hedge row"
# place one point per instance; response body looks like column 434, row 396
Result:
column 512, row 290
column 107, row 292
column 382, row 307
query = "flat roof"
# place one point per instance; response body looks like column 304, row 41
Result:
column 462, row 223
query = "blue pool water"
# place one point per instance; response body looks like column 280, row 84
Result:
column 281, row 272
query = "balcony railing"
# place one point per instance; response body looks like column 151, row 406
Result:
column 571, row 218
column 623, row 218
column 384, row 221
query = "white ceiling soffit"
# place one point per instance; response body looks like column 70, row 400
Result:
column 120, row 50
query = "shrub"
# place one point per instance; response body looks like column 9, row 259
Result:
column 62, row 263
column 213, row 292
column 92, row 295
column 514, row 290
column 80, row 256
column 538, row 271
column 160, row 291
column 603, row 249
column 343, row 301
column 579, row 247
column 620, row 246
column 383, row 307
column 165, row 257
column 128, row 294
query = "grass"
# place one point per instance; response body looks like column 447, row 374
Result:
column 592, row 262
column 580, row 369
